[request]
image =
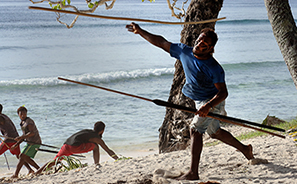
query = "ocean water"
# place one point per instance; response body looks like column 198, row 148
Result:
column 35, row 50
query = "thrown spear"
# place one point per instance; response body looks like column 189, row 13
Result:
column 219, row 117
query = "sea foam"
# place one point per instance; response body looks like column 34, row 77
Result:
column 91, row 77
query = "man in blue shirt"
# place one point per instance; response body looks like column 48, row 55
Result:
column 205, row 84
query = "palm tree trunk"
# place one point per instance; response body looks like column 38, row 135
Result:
column 285, row 32
column 174, row 132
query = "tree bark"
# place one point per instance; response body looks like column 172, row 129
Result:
column 174, row 132
column 285, row 32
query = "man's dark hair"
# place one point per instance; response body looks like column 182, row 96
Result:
column 211, row 34
column 98, row 126
column 22, row 108
column 1, row 108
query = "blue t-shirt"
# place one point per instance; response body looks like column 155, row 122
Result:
column 201, row 75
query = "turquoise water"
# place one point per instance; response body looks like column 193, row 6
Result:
column 35, row 49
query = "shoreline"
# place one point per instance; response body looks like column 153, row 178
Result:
column 137, row 150
column 104, row 158
column 220, row 163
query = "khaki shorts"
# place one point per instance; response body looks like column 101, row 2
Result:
column 202, row 124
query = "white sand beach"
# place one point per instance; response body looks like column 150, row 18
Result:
column 219, row 163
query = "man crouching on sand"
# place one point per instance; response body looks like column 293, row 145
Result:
column 82, row 142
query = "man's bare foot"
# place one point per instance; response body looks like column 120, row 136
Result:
column 248, row 152
column 189, row 176
column 30, row 172
column 14, row 176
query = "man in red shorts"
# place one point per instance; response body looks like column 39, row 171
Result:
column 9, row 131
column 82, row 142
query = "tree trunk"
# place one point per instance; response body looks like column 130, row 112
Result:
column 285, row 32
column 174, row 132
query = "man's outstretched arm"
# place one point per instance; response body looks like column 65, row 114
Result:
column 156, row 40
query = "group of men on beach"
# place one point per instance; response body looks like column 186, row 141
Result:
column 81, row 142
column 205, row 84
column 12, row 139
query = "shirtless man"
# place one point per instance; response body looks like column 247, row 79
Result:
column 9, row 132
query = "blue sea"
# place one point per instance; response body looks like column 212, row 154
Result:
column 35, row 50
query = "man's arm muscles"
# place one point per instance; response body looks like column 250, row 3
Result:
column 218, row 98
column 156, row 40
column 29, row 134
column 104, row 147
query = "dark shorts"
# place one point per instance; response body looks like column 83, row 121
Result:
column 8, row 145
column 68, row 150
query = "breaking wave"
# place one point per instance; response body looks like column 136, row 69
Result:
column 94, row 77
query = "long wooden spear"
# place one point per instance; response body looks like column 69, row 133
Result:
column 52, row 151
column 226, row 119
column 31, row 142
column 123, row 18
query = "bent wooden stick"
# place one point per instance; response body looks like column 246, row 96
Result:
column 123, row 18
column 187, row 109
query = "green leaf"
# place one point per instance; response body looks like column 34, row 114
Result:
column 123, row 158
column 68, row 1
column 69, row 164
column 90, row 5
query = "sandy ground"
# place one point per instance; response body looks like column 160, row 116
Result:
column 220, row 163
